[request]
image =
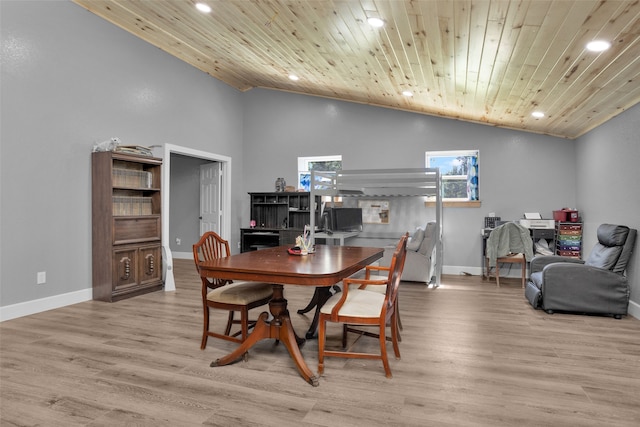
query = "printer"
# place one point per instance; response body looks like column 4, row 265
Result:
column 534, row 220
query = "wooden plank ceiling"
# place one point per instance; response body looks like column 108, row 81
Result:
column 484, row 61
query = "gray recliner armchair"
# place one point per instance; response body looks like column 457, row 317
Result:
column 597, row 286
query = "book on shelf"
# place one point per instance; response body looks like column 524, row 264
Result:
column 132, row 178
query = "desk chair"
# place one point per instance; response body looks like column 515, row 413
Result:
column 511, row 259
column 226, row 294
column 509, row 243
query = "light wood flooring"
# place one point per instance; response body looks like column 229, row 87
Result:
column 472, row 355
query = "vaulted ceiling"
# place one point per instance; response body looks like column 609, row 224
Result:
column 487, row 61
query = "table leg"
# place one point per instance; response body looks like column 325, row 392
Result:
column 313, row 302
column 280, row 328
column 320, row 296
column 260, row 331
column 290, row 340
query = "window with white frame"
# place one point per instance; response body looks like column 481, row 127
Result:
column 316, row 163
column 459, row 172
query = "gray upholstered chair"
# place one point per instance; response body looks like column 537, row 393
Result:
column 597, row 286
column 420, row 263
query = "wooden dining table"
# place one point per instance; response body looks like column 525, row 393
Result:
column 327, row 266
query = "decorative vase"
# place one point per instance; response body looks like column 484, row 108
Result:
column 280, row 184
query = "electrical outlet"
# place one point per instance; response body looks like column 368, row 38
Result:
column 178, row 241
column 238, row 245
column 41, row 278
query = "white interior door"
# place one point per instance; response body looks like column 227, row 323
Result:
column 210, row 210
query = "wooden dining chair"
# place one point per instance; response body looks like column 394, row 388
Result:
column 362, row 307
column 228, row 295
column 376, row 272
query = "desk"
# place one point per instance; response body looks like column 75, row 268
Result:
column 252, row 239
column 536, row 234
column 326, row 267
column 338, row 235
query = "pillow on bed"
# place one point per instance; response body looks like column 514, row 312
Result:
column 416, row 240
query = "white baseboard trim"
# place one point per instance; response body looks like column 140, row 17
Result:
column 634, row 309
column 44, row 304
column 182, row 255
column 460, row 270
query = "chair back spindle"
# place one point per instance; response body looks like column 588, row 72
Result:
column 211, row 246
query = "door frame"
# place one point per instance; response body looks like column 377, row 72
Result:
column 225, row 190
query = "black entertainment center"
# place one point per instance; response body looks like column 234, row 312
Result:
column 278, row 217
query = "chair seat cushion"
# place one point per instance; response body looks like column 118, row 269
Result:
column 359, row 303
column 536, row 279
column 381, row 289
column 241, row 293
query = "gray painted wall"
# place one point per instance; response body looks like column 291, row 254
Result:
column 608, row 173
column 519, row 172
column 70, row 79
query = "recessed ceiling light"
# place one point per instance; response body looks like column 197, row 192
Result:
column 598, row 45
column 407, row 93
column 538, row 114
column 294, row 77
column 203, row 7
column 375, row 22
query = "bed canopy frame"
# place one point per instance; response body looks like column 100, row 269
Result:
column 372, row 183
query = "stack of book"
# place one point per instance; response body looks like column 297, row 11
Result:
column 134, row 149
column 127, row 205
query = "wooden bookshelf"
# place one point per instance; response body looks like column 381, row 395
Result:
column 126, row 209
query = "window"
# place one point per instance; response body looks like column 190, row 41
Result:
column 316, row 163
column 459, row 172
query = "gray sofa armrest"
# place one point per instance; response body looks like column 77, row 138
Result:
column 583, row 288
column 418, row 266
column 539, row 262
